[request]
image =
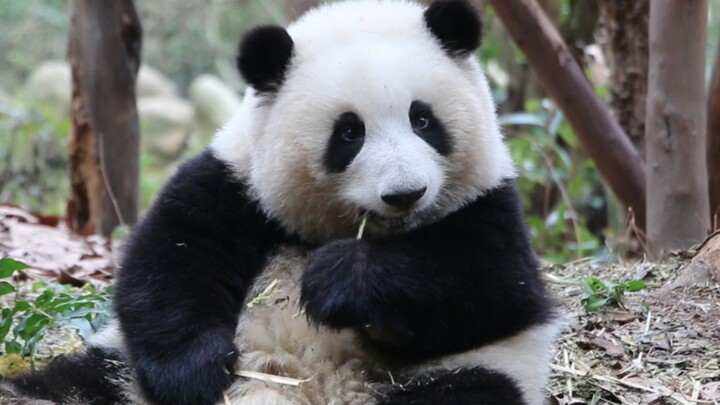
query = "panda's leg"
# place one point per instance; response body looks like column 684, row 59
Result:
column 93, row 377
column 476, row 386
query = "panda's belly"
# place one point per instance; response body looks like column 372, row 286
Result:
column 274, row 337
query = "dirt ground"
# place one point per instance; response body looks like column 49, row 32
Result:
column 661, row 347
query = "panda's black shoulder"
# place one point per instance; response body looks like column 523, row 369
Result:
column 203, row 181
column 204, row 190
column 206, row 208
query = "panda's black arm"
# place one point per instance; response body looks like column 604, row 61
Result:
column 468, row 279
column 183, row 278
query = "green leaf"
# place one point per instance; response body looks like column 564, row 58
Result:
column 567, row 134
column 44, row 298
column 8, row 266
column 595, row 303
column 589, row 286
column 22, row 306
column 13, row 347
column 6, row 318
column 6, row 288
column 32, row 342
column 609, row 285
column 29, row 326
column 636, row 285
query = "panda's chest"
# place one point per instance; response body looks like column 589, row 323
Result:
column 274, row 337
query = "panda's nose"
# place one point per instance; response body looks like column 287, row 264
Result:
column 404, row 199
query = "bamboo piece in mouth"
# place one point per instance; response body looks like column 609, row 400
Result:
column 362, row 226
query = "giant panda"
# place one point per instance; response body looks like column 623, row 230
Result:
column 355, row 227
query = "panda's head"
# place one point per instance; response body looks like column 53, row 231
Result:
column 366, row 107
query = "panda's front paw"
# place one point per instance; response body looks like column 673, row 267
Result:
column 334, row 287
column 197, row 374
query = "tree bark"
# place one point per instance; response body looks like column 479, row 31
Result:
column 713, row 141
column 104, row 53
column 677, row 184
column 600, row 134
column 625, row 25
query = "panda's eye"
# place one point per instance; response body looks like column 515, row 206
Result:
column 421, row 116
column 351, row 134
column 429, row 128
column 349, row 128
column 420, row 122
column 345, row 143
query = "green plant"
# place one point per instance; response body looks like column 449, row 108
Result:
column 560, row 186
column 598, row 294
column 24, row 321
column 33, row 157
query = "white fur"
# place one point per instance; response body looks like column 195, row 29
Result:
column 372, row 58
column 109, row 337
column 275, row 338
column 524, row 357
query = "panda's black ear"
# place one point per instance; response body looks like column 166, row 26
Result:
column 264, row 57
column 457, row 24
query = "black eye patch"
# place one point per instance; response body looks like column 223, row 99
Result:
column 345, row 142
column 429, row 128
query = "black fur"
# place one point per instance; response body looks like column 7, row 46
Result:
column 264, row 57
column 456, row 24
column 90, row 377
column 434, row 133
column 475, row 386
column 184, row 275
column 467, row 280
column 345, row 142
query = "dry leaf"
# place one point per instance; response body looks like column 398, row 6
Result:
column 619, row 317
column 610, row 348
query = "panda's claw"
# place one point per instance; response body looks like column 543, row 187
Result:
column 332, row 285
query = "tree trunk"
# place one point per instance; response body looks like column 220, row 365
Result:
column 625, row 25
column 601, row 136
column 678, row 212
column 713, row 141
column 104, row 53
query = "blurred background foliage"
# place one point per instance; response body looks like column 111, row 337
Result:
column 571, row 213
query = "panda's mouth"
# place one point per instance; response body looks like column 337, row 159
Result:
column 393, row 224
